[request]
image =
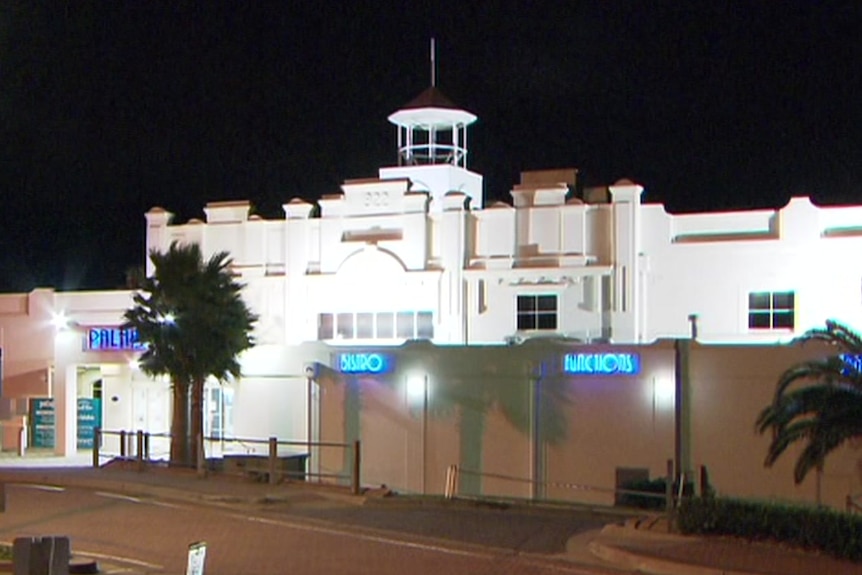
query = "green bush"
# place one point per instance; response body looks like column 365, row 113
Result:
column 832, row 532
column 656, row 486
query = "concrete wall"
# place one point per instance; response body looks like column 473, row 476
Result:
column 518, row 426
column 729, row 387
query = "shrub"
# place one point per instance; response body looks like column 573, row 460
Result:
column 838, row 534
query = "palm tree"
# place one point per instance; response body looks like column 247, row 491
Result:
column 193, row 322
column 826, row 412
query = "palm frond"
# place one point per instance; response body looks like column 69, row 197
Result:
column 823, row 416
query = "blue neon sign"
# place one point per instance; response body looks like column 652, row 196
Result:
column 363, row 363
column 602, row 363
column 852, row 364
column 113, row 339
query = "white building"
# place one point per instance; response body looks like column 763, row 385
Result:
column 416, row 254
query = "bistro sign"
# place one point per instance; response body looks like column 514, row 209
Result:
column 363, row 363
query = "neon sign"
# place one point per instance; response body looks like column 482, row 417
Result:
column 113, row 339
column 363, row 363
column 852, row 364
column 602, row 363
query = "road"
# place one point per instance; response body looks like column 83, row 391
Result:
column 152, row 536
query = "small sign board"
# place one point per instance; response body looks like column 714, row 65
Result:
column 197, row 555
column 42, row 422
column 89, row 418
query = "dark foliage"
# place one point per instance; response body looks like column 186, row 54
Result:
column 837, row 534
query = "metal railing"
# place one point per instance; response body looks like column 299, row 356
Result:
column 268, row 462
column 670, row 498
column 454, row 471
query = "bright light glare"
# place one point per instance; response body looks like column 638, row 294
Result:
column 415, row 387
column 168, row 318
column 60, row 321
column 664, row 391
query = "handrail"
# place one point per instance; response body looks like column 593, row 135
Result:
column 563, row 484
column 142, row 453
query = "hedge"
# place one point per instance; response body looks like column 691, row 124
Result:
column 832, row 532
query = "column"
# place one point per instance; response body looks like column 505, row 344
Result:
column 65, row 395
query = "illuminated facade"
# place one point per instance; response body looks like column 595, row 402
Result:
column 414, row 254
column 588, row 283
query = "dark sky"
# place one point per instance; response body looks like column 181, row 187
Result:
column 110, row 108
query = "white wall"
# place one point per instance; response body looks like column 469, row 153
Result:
column 271, row 407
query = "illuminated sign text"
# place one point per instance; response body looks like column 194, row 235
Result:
column 363, row 363
column 113, row 339
column 602, row 363
column 852, row 364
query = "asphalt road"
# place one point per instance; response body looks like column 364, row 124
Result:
column 151, row 536
column 517, row 529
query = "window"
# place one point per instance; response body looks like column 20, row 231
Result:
column 771, row 310
column 424, row 325
column 537, row 312
column 218, row 407
column 325, row 326
column 385, row 325
column 345, row 325
column 379, row 325
column 365, row 325
column 404, row 324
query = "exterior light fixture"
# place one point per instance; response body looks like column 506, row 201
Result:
column 664, row 392
column 416, row 388
column 60, row 321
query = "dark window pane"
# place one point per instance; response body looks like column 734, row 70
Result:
column 783, row 320
column 758, row 320
column 526, row 321
column 547, row 321
column 404, row 323
column 324, row 326
column 782, row 300
column 345, row 325
column 385, row 325
column 526, row 303
column 548, row 303
column 424, row 325
column 758, row 300
column 365, row 325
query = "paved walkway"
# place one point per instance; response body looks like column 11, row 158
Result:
column 661, row 553
column 625, row 547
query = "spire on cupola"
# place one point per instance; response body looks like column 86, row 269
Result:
column 432, row 149
column 431, row 128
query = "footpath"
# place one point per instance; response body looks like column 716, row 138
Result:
column 605, row 541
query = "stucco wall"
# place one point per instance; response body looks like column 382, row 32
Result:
column 518, row 426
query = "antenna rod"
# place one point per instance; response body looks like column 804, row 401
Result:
column 433, row 65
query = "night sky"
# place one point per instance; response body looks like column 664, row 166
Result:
column 110, row 108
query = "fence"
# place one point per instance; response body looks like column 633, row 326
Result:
column 670, row 498
column 271, row 459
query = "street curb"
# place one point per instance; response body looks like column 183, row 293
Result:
column 603, row 547
column 134, row 488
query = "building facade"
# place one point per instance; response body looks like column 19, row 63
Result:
column 414, row 264
column 415, row 254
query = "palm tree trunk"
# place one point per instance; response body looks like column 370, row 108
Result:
column 179, row 424
column 197, row 422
